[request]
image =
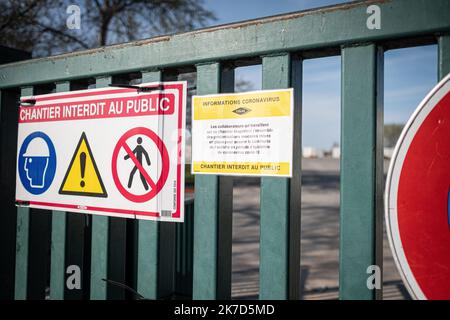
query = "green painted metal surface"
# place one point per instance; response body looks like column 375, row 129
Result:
column 225, row 212
column 21, row 275
column 278, row 39
column 99, row 247
column 156, row 245
column 8, row 145
column 22, row 236
column 295, row 183
column 213, row 196
column 148, row 241
column 184, row 252
column 444, row 56
column 319, row 28
column 57, row 267
column 206, row 205
column 58, row 241
column 279, row 247
column 361, row 169
column 99, row 257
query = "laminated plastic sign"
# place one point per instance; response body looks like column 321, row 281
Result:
column 244, row 134
column 417, row 199
column 113, row 151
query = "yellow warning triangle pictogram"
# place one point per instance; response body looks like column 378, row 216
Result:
column 82, row 177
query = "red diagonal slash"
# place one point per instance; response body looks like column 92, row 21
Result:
column 139, row 166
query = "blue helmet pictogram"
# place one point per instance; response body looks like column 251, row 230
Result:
column 37, row 162
column 37, row 157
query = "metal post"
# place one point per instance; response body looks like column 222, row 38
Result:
column 78, row 238
column 23, row 233
column 279, row 274
column 361, row 170
column 213, row 209
column 444, row 56
column 58, row 241
column 156, row 245
column 100, row 234
column 8, row 142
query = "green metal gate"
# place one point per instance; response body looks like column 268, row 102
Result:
column 156, row 259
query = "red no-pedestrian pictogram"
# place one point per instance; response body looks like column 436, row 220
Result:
column 155, row 188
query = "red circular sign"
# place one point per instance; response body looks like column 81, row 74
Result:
column 417, row 198
column 155, row 187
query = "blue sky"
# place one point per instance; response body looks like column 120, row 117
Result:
column 232, row 10
column 409, row 73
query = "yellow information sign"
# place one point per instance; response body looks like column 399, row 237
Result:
column 243, row 133
column 238, row 106
column 82, row 177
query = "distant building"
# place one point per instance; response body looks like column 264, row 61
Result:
column 311, row 152
column 336, row 152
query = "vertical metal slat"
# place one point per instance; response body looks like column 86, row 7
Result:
column 444, row 56
column 361, row 170
column 213, row 205
column 58, row 240
column 99, row 247
column 156, row 253
column 23, row 229
column 280, row 217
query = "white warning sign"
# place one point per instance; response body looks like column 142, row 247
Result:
column 111, row 151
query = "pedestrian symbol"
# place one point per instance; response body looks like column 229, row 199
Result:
column 37, row 163
column 137, row 155
column 82, row 177
column 139, row 151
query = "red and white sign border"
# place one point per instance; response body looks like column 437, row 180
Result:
column 393, row 179
column 178, row 216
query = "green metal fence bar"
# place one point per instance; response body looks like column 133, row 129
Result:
column 147, row 278
column 289, row 32
column 166, row 259
column 166, row 234
column 77, row 252
column 121, row 234
column 225, row 211
column 155, row 247
column 279, row 244
column 22, row 236
column 78, row 237
column 21, row 274
column 213, row 198
column 38, row 242
column 295, row 203
column 8, row 145
column 361, row 169
column 57, row 267
column 184, row 252
column 444, row 55
column 58, row 241
column 100, row 233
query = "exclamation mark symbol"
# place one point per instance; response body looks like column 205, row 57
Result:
column 83, row 167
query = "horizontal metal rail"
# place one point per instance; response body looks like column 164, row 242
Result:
column 320, row 28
